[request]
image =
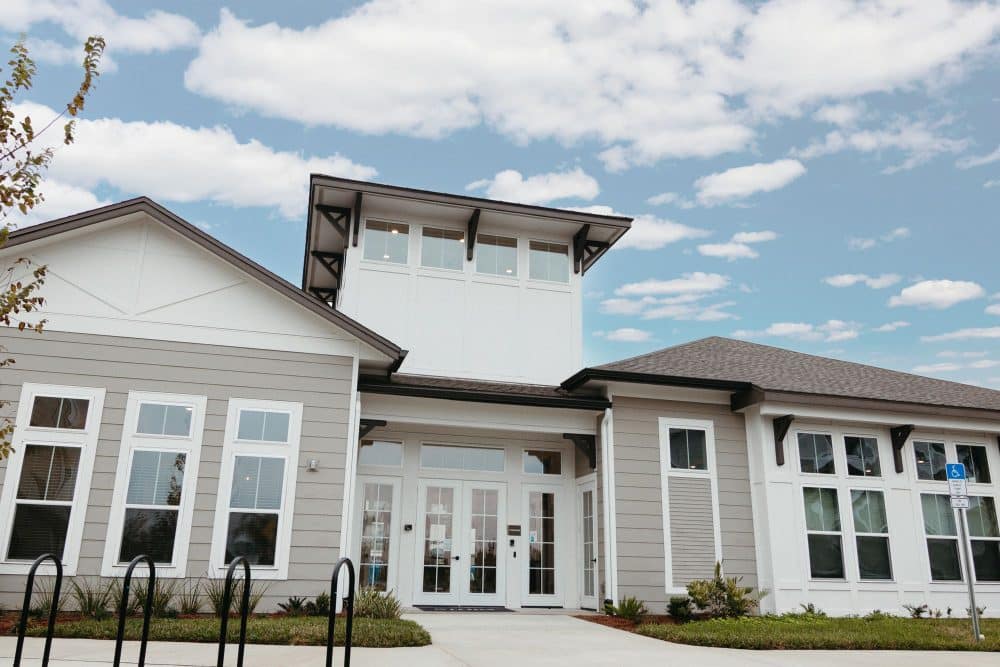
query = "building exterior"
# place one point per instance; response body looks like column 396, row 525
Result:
column 419, row 405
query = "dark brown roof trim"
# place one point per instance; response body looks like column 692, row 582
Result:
column 470, row 201
column 581, row 377
column 221, row 250
column 379, row 385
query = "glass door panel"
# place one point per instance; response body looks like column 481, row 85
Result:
column 376, row 532
column 542, row 543
column 588, row 545
column 483, row 540
column 439, row 523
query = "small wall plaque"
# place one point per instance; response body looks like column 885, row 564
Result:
column 514, row 530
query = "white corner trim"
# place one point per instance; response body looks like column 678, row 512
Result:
column 133, row 441
column 608, row 493
column 350, row 462
column 666, row 472
column 24, row 434
column 231, row 448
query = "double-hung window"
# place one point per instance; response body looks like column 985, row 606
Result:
column 984, row 535
column 155, row 483
column 48, row 475
column 826, row 551
column 257, row 487
column 942, row 537
column 871, row 534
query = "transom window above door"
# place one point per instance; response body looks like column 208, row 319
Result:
column 387, row 241
column 458, row 457
column 59, row 412
column 442, row 249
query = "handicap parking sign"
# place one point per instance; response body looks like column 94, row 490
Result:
column 955, row 470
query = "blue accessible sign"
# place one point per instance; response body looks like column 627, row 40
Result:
column 955, row 470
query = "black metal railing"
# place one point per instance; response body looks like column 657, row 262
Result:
column 348, row 608
column 147, row 609
column 22, row 625
column 227, row 598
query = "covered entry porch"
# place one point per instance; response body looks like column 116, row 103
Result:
column 472, row 505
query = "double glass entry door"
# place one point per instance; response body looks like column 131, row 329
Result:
column 460, row 543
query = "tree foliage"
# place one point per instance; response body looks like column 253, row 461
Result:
column 22, row 164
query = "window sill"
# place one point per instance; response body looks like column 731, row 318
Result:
column 46, row 569
column 392, row 267
column 256, row 573
column 162, row 571
column 551, row 286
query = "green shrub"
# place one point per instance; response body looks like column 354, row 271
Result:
column 968, row 611
column 917, row 611
column 679, row 607
column 215, row 592
column 811, row 609
column 877, row 615
column 163, row 597
column 371, row 603
column 723, row 597
column 609, row 608
column 320, row 606
column 132, row 606
column 631, row 609
column 189, row 597
column 295, row 606
column 91, row 596
column 42, row 602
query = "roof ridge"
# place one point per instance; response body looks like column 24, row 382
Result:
column 661, row 350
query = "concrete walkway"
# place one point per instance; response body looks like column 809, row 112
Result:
column 492, row 640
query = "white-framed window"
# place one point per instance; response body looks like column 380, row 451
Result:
column 976, row 461
column 984, row 536
column 942, row 537
column 442, row 248
column 548, row 261
column 387, row 241
column 823, row 533
column 542, row 462
column 871, row 534
column 862, row 456
column 683, row 441
column 816, row 453
column 47, row 483
column 931, row 458
column 157, row 473
column 496, row 255
column 388, row 453
column 378, row 547
column 461, row 457
column 256, row 497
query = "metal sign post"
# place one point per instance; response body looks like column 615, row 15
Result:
column 958, row 489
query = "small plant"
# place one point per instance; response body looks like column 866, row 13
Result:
column 948, row 611
column 877, row 615
column 679, row 607
column 371, row 603
column 812, row 610
column 979, row 610
column 133, row 605
column 320, row 606
column 189, row 597
column 215, row 590
column 295, row 606
column 163, row 597
column 609, row 608
column 937, row 613
column 91, row 596
column 917, row 611
column 723, row 597
column 631, row 609
column 42, row 602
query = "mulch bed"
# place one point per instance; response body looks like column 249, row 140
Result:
column 624, row 624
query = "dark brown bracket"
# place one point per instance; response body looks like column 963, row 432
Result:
column 328, row 295
column 586, row 444
column 338, row 217
column 357, row 219
column 579, row 244
column 899, row 435
column 470, row 235
column 369, row 425
column 781, row 426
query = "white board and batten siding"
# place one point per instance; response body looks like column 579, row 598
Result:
column 321, row 383
column 701, row 522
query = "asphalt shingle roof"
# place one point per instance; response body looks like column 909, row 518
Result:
column 775, row 369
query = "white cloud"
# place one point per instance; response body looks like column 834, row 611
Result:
column 741, row 182
column 919, row 141
column 738, row 246
column 971, row 333
column 978, row 160
column 952, row 354
column 645, row 81
column 830, row 331
column 510, row 185
column 874, row 282
column 992, row 184
column 648, row 232
column 993, row 309
column 891, row 326
column 60, row 200
column 690, row 283
column 692, row 310
column 618, row 306
column 663, row 198
column 937, row 294
column 173, row 162
column 944, row 367
column 839, row 114
column 156, row 32
column 869, row 243
column 626, row 335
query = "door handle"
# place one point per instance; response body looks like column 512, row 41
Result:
column 458, row 557
column 593, row 560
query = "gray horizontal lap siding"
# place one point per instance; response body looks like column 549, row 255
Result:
column 639, row 503
column 321, row 383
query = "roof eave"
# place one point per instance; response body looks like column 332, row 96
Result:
column 379, row 385
column 586, row 375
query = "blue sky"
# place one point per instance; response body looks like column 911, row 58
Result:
column 833, row 188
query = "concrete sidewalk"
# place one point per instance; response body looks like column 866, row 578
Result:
column 495, row 640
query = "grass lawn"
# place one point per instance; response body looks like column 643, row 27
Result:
column 297, row 630
column 816, row 632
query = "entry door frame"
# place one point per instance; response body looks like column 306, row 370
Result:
column 459, row 594
column 583, row 485
column 561, row 550
column 393, row 562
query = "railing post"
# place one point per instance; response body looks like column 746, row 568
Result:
column 146, row 612
column 22, row 625
column 227, row 598
column 349, row 607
